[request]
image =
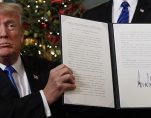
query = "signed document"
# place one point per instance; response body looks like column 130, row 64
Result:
column 111, row 63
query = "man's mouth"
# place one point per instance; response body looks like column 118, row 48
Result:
column 5, row 45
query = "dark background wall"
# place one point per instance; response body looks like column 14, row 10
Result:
column 92, row 3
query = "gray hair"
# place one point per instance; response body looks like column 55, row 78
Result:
column 12, row 8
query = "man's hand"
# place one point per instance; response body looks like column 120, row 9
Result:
column 60, row 80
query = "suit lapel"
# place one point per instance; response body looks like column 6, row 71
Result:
column 105, row 14
column 33, row 78
column 109, row 11
column 33, row 74
column 142, row 9
column 7, row 90
column 37, row 71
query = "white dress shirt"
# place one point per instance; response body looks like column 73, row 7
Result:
column 116, row 9
column 22, row 83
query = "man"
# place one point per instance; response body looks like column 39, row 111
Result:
column 140, row 11
column 28, row 86
column 109, row 12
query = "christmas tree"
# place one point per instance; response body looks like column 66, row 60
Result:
column 42, row 25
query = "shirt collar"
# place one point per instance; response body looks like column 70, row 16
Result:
column 117, row 3
column 16, row 65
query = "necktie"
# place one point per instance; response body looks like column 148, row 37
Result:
column 124, row 16
column 9, row 71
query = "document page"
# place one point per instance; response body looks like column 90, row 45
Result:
column 133, row 55
column 85, row 49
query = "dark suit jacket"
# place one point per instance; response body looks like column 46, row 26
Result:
column 30, row 106
column 103, row 12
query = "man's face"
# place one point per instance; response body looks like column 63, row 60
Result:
column 11, row 36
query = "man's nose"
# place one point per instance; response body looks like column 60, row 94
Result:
column 2, row 31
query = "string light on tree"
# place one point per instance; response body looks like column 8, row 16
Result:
column 42, row 25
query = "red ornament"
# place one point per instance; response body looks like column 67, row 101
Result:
column 56, row 1
column 44, row 25
column 26, row 25
column 61, row 11
column 55, row 40
column 48, row 37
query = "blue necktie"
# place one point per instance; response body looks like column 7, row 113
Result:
column 9, row 71
column 124, row 16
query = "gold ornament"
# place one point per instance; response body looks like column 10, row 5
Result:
column 26, row 33
column 40, row 1
column 30, row 41
column 43, row 47
column 46, row 53
column 49, row 13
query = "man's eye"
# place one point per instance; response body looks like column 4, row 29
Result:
column 11, row 26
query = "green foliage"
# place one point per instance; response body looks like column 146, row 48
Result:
column 42, row 25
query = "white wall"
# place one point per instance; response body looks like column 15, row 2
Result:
column 92, row 3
